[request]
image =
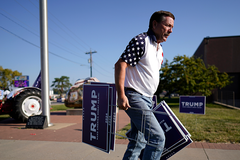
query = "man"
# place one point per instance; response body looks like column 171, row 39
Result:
column 136, row 80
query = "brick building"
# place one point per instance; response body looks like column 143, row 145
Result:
column 224, row 53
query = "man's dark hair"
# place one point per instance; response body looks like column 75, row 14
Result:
column 159, row 17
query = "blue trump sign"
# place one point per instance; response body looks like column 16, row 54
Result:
column 177, row 136
column 112, row 111
column 99, row 115
column 192, row 104
column 95, row 116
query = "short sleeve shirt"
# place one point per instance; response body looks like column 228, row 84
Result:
column 145, row 56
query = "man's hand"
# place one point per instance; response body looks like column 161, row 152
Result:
column 123, row 103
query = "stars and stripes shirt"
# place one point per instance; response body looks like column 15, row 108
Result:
column 145, row 56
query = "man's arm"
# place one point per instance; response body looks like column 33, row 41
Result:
column 120, row 72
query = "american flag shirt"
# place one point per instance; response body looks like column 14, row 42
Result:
column 145, row 56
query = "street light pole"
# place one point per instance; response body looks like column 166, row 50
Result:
column 90, row 60
column 44, row 59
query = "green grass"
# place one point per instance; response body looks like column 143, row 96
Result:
column 4, row 116
column 123, row 131
column 218, row 125
column 58, row 108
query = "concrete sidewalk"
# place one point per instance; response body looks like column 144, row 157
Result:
column 63, row 141
column 48, row 150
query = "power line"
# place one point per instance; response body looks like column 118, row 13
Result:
column 102, row 74
column 69, row 30
column 65, row 31
column 33, row 4
column 18, row 36
column 18, row 24
column 26, row 9
column 36, row 45
column 49, row 51
column 52, row 29
column 101, row 67
column 38, row 35
column 65, row 27
column 17, row 19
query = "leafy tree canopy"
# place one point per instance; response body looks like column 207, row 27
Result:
column 61, row 85
column 190, row 76
column 7, row 78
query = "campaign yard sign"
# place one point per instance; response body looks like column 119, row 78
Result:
column 99, row 116
column 177, row 136
column 112, row 110
column 192, row 104
column 95, row 116
column 154, row 101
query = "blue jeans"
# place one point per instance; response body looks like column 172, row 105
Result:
column 146, row 132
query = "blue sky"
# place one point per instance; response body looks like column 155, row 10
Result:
column 77, row 26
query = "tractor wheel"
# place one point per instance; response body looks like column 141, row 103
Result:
column 27, row 103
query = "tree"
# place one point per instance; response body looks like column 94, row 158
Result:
column 61, row 85
column 7, row 77
column 189, row 76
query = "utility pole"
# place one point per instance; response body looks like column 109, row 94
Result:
column 90, row 60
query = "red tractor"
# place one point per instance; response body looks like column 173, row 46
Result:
column 23, row 102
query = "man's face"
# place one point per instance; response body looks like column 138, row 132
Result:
column 163, row 29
